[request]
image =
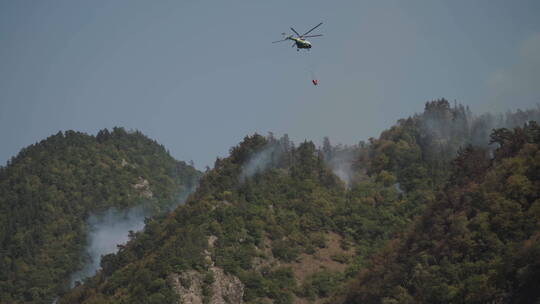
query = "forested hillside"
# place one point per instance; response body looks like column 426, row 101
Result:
column 271, row 220
column 50, row 188
column 272, row 223
column 477, row 242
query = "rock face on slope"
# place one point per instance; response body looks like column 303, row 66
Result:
column 143, row 187
column 214, row 287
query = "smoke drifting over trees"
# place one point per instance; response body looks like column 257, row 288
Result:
column 439, row 132
column 49, row 190
column 110, row 229
column 261, row 161
column 340, row 159
column 106, row 232
column 270, row 202
column 276, row 153
column 445, row 128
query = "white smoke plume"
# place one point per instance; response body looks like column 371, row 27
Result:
column 343, row 171
column 259, row 162
column 275, row 154
column 106, row 231
column 111, row 228
column 444, row 129
column 340, row 160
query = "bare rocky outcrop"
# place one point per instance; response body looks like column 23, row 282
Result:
column 143, row 186
column 212, row 240
column 192, row 288
column 188, row 285
column 226, row 288
column 216, row 286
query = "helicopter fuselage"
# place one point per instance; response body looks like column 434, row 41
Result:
column 301, row 43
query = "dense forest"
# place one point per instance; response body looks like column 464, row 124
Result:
column 442, row 207
column 49, row 190
column 477, row 242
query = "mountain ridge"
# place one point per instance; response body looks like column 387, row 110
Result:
column 50, row 188
column 267, row 225
column 273, row 222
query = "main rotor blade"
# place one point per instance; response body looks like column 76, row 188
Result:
column 295, row 32
column 280, row 41
column 312, row 36
column 311, row 29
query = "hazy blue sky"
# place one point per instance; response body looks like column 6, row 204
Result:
column 198, row 76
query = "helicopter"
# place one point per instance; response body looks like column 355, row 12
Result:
column 299, row 41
